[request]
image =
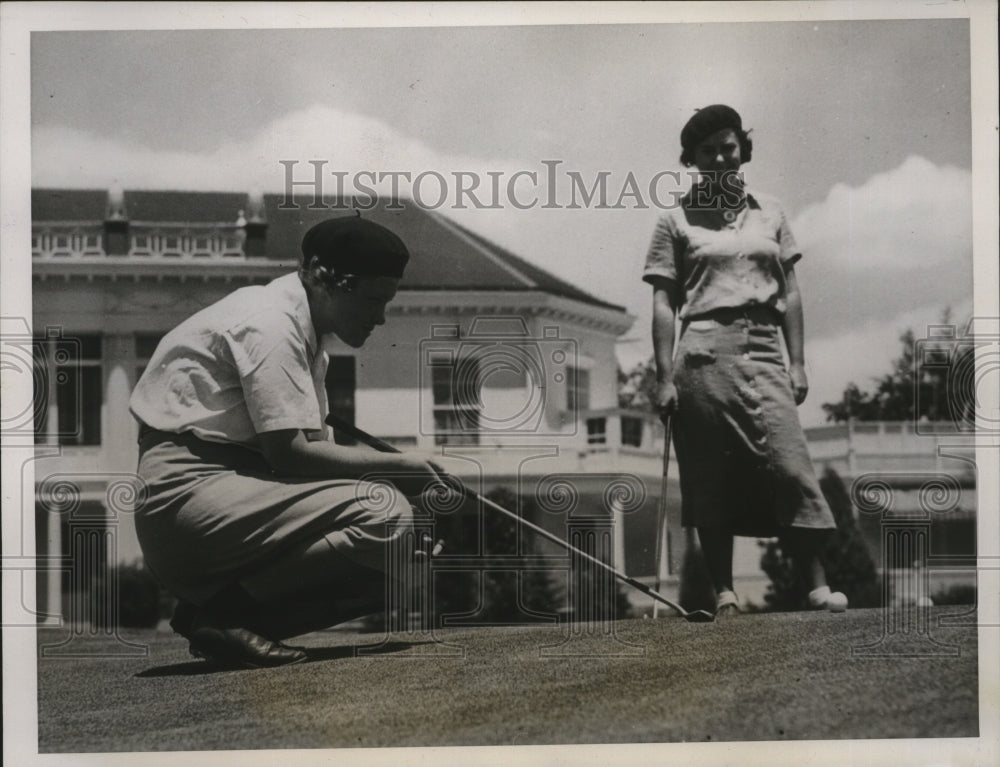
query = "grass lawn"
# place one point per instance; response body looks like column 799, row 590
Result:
column 774, row 676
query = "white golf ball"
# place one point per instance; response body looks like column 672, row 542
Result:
column 837, row 603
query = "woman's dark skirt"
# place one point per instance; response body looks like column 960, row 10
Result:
column 744, row 465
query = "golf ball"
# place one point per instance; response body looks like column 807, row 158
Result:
column 837, row 602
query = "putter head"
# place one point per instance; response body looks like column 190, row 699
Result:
column 699, row 616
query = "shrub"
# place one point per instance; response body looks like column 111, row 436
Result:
column 512, row 596
column 848, row 563
column 509, row 596
column 494, row 596
column 956, row 594
column 786, row 591
column 140, row 599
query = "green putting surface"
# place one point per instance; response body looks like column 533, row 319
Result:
column 776, row 676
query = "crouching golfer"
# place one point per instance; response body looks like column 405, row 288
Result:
column 260, row 526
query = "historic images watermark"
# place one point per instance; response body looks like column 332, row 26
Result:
column 958, row 366
column 906, row 558
column 551, row 187
column 94, row 601
column 586, row 614
column 496, row 388
column 534, row 381
column 954, row 373
column 74, row 583
column 52, row 361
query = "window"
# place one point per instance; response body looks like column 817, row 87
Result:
column 457, row 402
column 82, row 544
column 341, row 385
column 631, row 431
column 597, row 431
column 577, row 389
column 69, row 390
column 145, row 345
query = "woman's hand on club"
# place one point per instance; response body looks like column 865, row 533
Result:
column 666, row 400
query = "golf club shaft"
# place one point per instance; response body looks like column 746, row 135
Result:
column 385, row 447
column 661, row 519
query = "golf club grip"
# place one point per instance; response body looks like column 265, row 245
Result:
column 339, row 424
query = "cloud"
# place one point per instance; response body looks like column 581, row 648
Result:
column 349, row 142
column 900, row 240
column 909, row 217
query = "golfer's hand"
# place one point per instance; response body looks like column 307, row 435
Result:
column 800, row 384
column 665, row 403
column 415, row 474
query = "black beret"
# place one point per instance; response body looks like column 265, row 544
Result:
column 707, row 121
column 354, row 245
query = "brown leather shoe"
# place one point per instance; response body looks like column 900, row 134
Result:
column 240, row 648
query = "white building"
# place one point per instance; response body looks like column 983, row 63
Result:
column 507, row 371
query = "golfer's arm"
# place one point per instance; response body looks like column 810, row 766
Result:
column 291, row 454
column 665, row 303
column 792, row 324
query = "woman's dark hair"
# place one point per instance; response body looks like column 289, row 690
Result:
column 708, row 121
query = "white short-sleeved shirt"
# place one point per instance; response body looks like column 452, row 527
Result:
column 724, row 264
column 245, row 365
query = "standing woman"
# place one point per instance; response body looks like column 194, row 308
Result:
column 722, row 264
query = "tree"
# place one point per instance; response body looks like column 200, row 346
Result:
column 507, row 595
column 637, row 388
column 542, row 592
column 935, row 385
column 854, row 403
column 492, row 595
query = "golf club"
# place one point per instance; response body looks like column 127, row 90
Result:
column 695, row 616
column 661, row 518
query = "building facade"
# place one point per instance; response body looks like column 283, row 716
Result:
column 505, row 372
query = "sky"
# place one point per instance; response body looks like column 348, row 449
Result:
column 861, row 128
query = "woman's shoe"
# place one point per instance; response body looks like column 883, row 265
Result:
column 727, row 604
column 824, row 599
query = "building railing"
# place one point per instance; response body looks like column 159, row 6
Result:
column 71, row 241
column 67, row 241
column 856, row 445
